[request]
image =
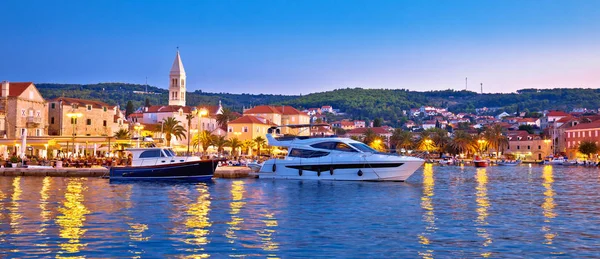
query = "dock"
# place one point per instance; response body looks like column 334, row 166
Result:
column 221, row 172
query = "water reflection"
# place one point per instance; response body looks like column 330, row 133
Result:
column 198, row 222
column 549, row 204
column 266, row 234
column 427, row 206
column 483, row 204
column 14, row 214
column 44, row 211
column 73, row 215
column 237, row 193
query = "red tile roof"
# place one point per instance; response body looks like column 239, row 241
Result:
column 584, row 126
column 168, row 108
column 262, row 109
column 80, row 102
column 289, row 110
column 556, row 113
column 17, row 88
column 249, row 119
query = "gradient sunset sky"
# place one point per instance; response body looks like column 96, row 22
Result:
column 299, row 47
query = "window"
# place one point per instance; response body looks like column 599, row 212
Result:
column 182, row 84
column 364, row 148
column 89, row 107
column 303, row 153
column 53, row 105
column 229, row 129
column 88, row 122
column 325, row 145
column 23, row 112
column 104, row 108
column 539, row 147
column 244, row 129
column 52, row 120
column 528, row 147
column 150, row 153
column 73, row 120
column 344, row 147
column 104, row 123
column 518, row 147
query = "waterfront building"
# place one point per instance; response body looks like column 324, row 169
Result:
column 583, row 131
column 527, row 146
column 248, row 127
column 79, row 117
column 282, row 115
column 22, row 112
column 551, row 117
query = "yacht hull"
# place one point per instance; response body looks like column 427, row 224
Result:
column 195, row 170
column 398, row 170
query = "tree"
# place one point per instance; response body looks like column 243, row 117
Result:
column 260, row 141
column 147, row 102
column 339, row 131
column 248, row 145
column 234, row 143
column 122, row 134
column 189, row 118
column 462, row 142
column 377, row 122
column 527, row 128
column 402, row 139
column 588, row 148
column 172, row 128
column 224, row 118
column 494, row 138
column 128, row 108
column 206, row 140
column 369, row 136
column 220, row 142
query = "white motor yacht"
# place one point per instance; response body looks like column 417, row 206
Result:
column 333, row 158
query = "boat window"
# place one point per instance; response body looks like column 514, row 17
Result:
column 325, row 145
column 304, row 153
column 169, row 152
column 364, row 148
column 150, row 153
column 344, row 147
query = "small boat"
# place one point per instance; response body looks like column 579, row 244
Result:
column 254, row 167
column 162, row 163
column 479, row 162
column 509, row 163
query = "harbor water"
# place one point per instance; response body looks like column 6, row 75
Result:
column 440, row 212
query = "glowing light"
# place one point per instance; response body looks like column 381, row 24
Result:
column 549, row 204
column 73, row 217
column 45, row 213
column 483, row 204
column 198, row 222
column 14, row 214
column 429, row 212
column 237, row 193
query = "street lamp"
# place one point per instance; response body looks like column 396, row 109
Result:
column 199, row 113
column 481, row 143
column 73, row 116
column 138, row 127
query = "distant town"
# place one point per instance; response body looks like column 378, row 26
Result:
column 34, row 127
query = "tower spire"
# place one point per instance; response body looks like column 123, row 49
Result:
column 177, row 92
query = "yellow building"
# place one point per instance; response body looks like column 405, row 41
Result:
column 79, row 117
column 248, row 128
column 282, row 115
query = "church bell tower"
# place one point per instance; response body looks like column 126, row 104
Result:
column 177, row 82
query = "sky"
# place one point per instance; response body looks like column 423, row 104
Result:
column 305, row 46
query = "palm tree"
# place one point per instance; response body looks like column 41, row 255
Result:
column 172, row 127
column 369, row 136
column 189, row 118
column 260, row 141
column 219, row 142
column 440, row 139
column 495, row 139
column 122, row 134
column 206, row 140
column 248, row 145
column 225, row 117
column 234, row 143
column 462, row 142
column 402, row 139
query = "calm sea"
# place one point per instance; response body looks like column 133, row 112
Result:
column 441, row 212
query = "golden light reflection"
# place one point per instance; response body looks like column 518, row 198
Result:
column 2, row 197
column 237, row 193
column 427, row 206
column 72, row 217
column 14, row 215
column 549, row 204
column 483, row 204
column 198, row 222
column 45, row 212
column 266, row 235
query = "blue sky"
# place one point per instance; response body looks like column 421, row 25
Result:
column 299, row 47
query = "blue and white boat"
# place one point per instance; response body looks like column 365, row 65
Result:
column 156, row 163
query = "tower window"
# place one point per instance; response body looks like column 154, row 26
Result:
column 182, row 83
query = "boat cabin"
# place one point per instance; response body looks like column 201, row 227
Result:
column 155, row 156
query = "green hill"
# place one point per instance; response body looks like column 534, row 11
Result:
column 357, row 103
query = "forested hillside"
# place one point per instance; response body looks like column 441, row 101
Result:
column 357, row 103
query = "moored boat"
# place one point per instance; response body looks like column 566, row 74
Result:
column 509, row 163
column 161, row 163
column 480, row 162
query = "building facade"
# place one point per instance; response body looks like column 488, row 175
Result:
column 79, row 117
column 24, row 110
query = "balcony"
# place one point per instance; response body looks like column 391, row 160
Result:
column 33, row 122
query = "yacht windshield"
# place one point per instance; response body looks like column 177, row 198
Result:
column 364, row 148
column 169, row 152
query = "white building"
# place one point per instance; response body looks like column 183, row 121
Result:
column 177, row 82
